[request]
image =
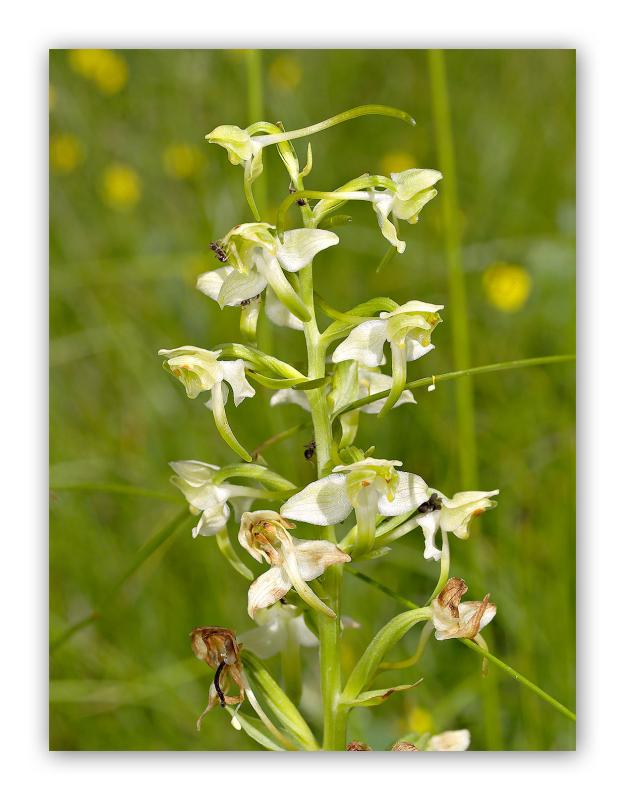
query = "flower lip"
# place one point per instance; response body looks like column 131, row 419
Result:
column 263, row 534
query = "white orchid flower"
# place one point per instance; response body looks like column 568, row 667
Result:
column 213, row 501
column 455, row 620
column 256, row 258
column 201, row 370
column 451, row 515
column 414, row 188
column 265, row 535
column 408, row 330
column 369, row 487
column 450, row 741
column 278, row 626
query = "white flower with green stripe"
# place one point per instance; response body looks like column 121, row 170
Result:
column 293, row 562
column 201, row 370
column 408, row 330
column 369, row 487
column 255, row 259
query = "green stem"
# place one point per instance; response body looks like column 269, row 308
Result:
column 521, row 679
column 334, row 722
column 465, row 410
column 461, row 373
column 255, row 111
column 457, row 288
column 359, row 111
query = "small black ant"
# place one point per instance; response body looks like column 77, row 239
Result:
column 220, row 253
column 433, row 504
column 309, row 452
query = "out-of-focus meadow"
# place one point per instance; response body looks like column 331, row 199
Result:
column 136, row 196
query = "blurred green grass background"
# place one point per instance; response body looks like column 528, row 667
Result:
column 136, row 195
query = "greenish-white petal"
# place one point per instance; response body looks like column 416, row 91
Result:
column 286, row 396
column 234, row 373
column 210, row 283
column 279, row 314
column 238, row 287
column 323, row 502
column 411, row 490
column 314, row 556
column 364, row 344
column 267, row 590
column 300, row 246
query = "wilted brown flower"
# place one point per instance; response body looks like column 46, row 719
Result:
column 218, row 648
column 403, row 746
column 455, row 620
column 358, row 746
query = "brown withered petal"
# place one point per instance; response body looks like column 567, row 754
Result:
column 401, row 746
column 215, row 646
column 358, row 746
column 218, row 648
column 451, row 595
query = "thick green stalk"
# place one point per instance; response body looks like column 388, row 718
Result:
column 457, row 290
column 329, row 629
column 465, row 411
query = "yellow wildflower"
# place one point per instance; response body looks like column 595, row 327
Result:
column 121, row 186
column 397, row 161
column 420, row 720
column 285, row 73
column 507, row 286
column 66, row 153
column 107, row 69
column 181, row 160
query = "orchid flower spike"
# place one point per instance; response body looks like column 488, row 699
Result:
column 256, row 258
column 451, row 515
column 408, row 329
column 455, row 620
column 413, row 189
column 370, row 487
column 278, row 626
column 265, row 535
column 201, row 370
column 218, row 648
column 212, row 500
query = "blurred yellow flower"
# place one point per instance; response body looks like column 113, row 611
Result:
column 182, row 160
column 507, row 286
column 66, row 153
column 107, row 69
column 397, row 161
column 420, row 720
column 285, row 73
column 121, row 186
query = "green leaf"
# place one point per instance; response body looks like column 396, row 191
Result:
column 249, row 726
column 367, row 666
column 377, row 696
column 278, row 703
